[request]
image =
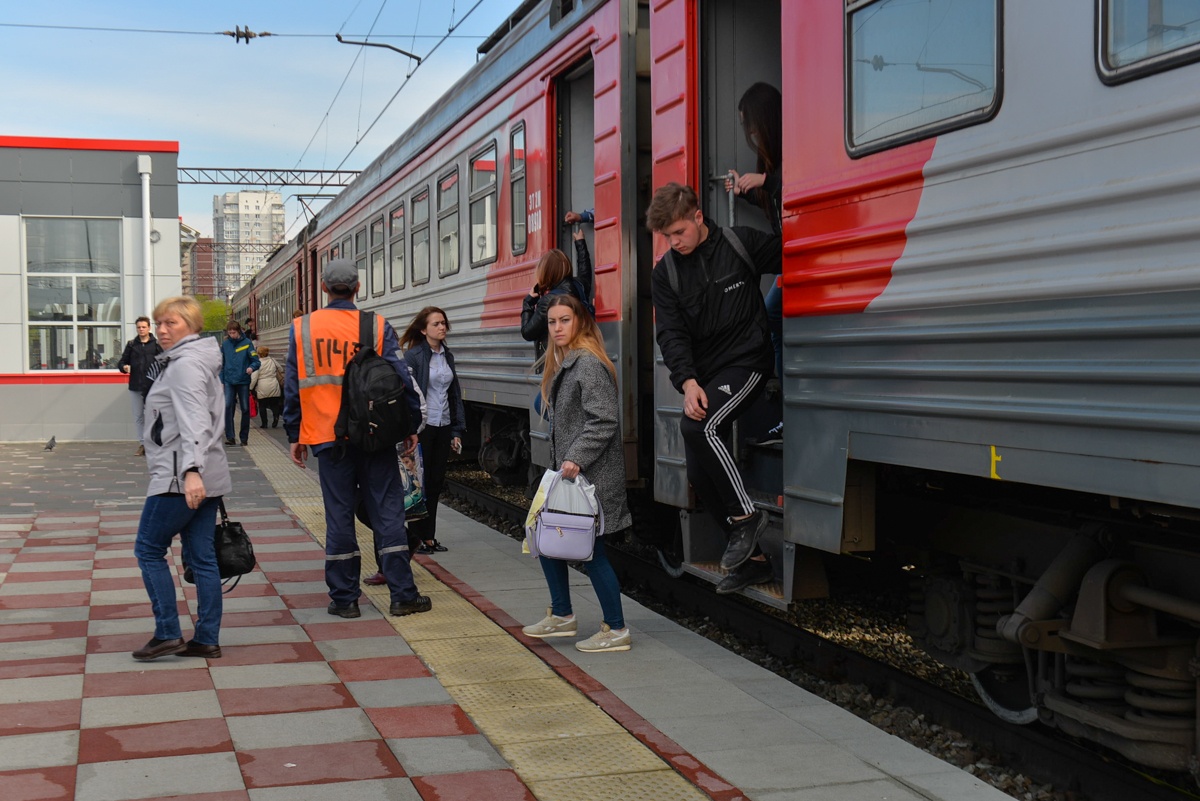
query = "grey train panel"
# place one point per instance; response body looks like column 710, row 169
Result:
column 1099, row 395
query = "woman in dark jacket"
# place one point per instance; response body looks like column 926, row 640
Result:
column 432, row 365
column 579, row 386
column 135, row 362
column 553, row 277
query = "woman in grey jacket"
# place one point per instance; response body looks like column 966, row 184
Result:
column 185, row 415
column 579, row 388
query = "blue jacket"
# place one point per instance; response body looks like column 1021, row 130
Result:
column 238, row 355
column 418, row 358
column 291, row 378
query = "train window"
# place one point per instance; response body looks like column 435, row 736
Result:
column 517, row 178
column 483, row 207
column 333, row 252
column 914, row 70
column 397, row 246
column 1139, row 37
column 377, row 264
column 448, row 224
column 360, row 260
column 420, row 238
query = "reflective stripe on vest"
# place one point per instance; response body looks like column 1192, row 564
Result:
column 326, row 340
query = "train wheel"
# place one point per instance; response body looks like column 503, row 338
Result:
column 1004, row 689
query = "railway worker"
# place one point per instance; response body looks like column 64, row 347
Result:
column 553, row 277
column 312, row 398
column 432, row 365
column 240, row 362
column 135, row 361
column 712, row 329
column 760, row 111
column 579, row 387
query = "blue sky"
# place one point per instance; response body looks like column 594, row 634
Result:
column 182, row 87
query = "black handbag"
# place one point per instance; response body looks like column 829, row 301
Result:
column 235, row 552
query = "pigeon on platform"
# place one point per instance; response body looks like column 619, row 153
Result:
column 50, row 445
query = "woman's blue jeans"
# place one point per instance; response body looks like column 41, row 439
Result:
column 163, row 517
column 604, row 582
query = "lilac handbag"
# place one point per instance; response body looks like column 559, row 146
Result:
column 569, row 522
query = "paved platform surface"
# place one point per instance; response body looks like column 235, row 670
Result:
column 451, row 704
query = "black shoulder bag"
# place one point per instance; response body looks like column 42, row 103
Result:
column 235, row 553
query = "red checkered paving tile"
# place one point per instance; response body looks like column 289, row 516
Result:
column 24, row 632
column 272, row 700
column 319, row 632
column 295, row 575
column 244, row 590
column 26, row 577
column 126, row 583
column 231, row 795
column 311, row 600
column 270, row 617
column 177, row 738
column 437, row 720
column 53, row 556
column 42, row 784
column 319, row 764
column 107, row 562
column 379, row 668
column 50, row 524
column 276, row 653
column 118, row 643
column 145, row 682
column 61, row 542
column 298, row 555
column 128, row 611
column 59, row 601
column 494, row 785
column 38, row 716
column 46, row 666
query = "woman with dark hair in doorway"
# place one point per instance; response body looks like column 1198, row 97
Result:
column 553, row 277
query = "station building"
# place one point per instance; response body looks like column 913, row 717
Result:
column 89, row 240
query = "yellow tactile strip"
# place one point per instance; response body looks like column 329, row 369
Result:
column 560, row 743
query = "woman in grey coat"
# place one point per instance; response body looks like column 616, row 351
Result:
column 579, row 388
column 185, row 419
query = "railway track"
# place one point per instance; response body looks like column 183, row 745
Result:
column 1043, row 754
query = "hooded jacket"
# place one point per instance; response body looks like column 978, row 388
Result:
column 185, row 419
column 238, row 354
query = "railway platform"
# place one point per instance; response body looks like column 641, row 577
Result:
column 447, row 705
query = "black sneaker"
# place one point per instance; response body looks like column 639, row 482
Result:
column 742, row 540
column 752, row 572
column 351, row 610
column 230, row 443
column 772, row 437
column 419, row 604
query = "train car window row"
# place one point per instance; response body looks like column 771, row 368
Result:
column 915, row 70
column 396, row 245
column 517, row 205
column 448, row 225
column 483, row 207
column 1142, row 37
column 420, row 238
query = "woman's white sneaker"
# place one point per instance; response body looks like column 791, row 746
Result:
column 606, row 640
column 552, row 626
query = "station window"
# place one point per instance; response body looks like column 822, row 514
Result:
column 73, row 289
column 914, row 70
column 1139, row 37
column 377, row 264
column 360, row 261
column 448, row 224
column 420, row 238
column 396, row 246
column 517, row 182
column 483, row 207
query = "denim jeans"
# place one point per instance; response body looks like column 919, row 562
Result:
column 237, row 395
column 604, row 582
column 138, row 404
column 163, row 517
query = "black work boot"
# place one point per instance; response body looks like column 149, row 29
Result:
column 742, row 540
column 752, row 572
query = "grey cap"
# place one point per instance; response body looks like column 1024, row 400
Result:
column 340, row 272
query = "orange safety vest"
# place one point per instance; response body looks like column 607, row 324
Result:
column 326, row 341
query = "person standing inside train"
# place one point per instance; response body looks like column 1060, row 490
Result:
column 432, row 365
column 240, row 362
column 135, row 361
column 760, row 112
column 312, row 399
column 551, row 278
column 579, row 387
column 712, row 329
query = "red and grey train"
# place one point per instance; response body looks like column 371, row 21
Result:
column 991, row 288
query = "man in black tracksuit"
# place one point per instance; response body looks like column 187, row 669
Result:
column 712, row 329
column 135, row 362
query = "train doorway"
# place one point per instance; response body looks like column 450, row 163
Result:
column 575, row 134
column 739, row 46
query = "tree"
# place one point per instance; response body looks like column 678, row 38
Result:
column 216, row 313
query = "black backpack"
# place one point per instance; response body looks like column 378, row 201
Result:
column 374, row 413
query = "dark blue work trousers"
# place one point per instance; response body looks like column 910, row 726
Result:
column 348, row 475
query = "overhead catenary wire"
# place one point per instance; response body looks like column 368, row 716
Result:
column 272, row 34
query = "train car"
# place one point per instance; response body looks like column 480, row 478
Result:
column 989, row 269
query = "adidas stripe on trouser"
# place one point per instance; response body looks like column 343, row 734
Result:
column 710, row 465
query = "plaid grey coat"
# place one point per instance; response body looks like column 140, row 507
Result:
column 584, row 430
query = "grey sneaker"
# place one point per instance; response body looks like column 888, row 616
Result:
column 552, row 626
column 606, row 640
